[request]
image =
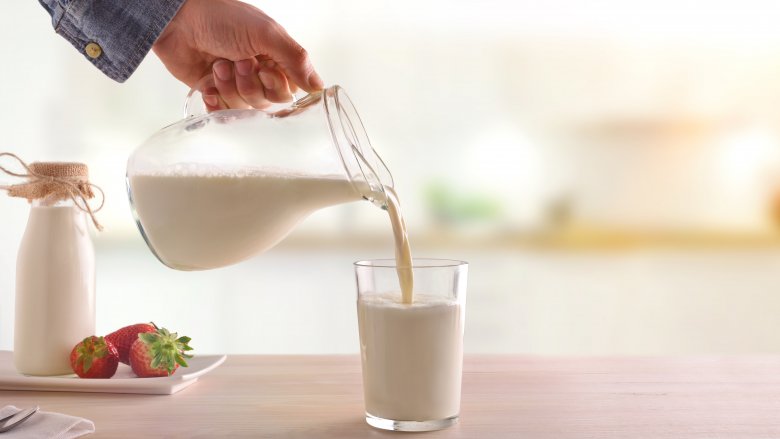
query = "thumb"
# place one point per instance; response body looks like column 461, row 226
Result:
column 274, row 41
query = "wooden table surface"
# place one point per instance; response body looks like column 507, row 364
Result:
column 503, row 397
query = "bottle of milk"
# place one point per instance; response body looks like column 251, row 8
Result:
column 55, row 268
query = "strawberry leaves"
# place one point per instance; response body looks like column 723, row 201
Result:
column 88, row 350
column 166, row 349
column 94, row 357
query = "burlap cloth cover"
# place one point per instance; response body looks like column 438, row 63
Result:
column 54, row 181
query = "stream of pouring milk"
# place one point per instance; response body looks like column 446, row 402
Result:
column 403, row 252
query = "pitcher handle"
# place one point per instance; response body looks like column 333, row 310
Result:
column 194, row 105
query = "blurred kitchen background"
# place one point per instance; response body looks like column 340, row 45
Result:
column 610, row 169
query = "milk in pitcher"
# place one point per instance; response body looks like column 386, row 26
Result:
column 203, row 219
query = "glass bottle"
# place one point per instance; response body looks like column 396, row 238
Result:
column 55, row 288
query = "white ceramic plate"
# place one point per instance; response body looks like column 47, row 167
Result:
column 123, row 382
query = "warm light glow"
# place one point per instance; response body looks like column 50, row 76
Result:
column 746, row 155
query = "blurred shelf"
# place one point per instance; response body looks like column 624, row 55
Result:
column 626, row 239
column 585, row 239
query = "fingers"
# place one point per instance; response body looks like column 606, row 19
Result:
column 225, row 80
column 246, row 83
column 293, row 58
column 212, row 100
column 275, row 83
column 210, row 95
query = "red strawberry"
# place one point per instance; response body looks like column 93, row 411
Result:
column 94, row 357
column 124, row 338
column 158, row 353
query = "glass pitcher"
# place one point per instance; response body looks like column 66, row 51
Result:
column 215, row 189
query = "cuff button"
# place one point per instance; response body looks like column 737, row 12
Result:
column 93, row 50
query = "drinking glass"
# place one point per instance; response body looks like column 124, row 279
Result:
column 412, row 354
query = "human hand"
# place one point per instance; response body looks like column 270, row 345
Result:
column 252, row 60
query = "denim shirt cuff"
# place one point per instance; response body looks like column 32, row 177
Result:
column 124, row 31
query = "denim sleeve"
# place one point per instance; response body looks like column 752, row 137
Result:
column 115, row 35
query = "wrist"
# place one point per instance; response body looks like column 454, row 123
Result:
column 172, row 26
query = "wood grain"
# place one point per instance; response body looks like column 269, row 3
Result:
column 503, row 397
